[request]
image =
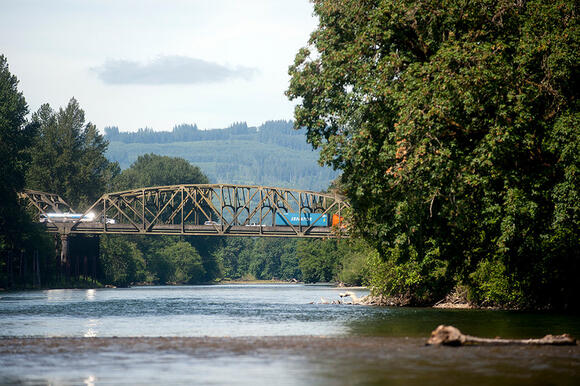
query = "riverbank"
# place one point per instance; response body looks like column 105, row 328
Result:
column 258, row 282
column 456, row 299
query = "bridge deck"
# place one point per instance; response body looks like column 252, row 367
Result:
column 193, row 230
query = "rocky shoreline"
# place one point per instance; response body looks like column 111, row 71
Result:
column 451, row 301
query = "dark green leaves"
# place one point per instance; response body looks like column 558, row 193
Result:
column 157, row 170
column 68, row 157
column 444, row 118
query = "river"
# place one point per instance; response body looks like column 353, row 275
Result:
column 263, row 335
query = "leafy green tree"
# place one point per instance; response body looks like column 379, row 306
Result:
column 156, row 170
column 456, row 127
column 318, row 260
column 186, row 263
column 121, row 261
column 289, row 261
column 68, row 157
column 158, row 266
column 231, row 256
column 259, row 264
column 258, row 258
column 266, row 257
column 354, row 268
column 206, row 247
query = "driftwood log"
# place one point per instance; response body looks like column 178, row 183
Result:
column 451, row 336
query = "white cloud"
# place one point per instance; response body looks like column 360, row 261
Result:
column 170, row 70
column 195, row 61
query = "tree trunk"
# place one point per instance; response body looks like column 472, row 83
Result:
column 37, row 270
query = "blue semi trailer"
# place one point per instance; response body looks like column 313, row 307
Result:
column 306, row 219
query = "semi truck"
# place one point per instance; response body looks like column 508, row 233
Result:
column 303, row 219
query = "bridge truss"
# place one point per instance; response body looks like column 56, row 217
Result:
column 208, row 210
column 43, row 203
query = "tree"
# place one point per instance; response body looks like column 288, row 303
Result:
column 206, row 245
column 121, row 262
column 186, row 263
column 157, row 170
column 289, row 262
column 354, row 256
column 456, row 127
column 233, row 257
column 68, row 157
column 318, row 260
column 169, row 259
column 15, row 137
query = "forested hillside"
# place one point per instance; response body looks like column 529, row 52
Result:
column 272, row 154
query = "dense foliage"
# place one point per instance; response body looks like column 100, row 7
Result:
column 272, row 154
column 68, row 156
column 456, row 127
column 258, row 259
column 274, row 132
column 156, row 170
column 307, row 260
column 15, row 137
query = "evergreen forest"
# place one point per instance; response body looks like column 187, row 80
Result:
column 273, row 154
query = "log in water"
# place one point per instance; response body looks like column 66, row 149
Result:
column 451, row 336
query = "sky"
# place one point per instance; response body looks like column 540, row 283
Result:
column 157, row 63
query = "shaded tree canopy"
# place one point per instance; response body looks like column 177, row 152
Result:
column 157, row 170
column 186, row 265
column 15, row 135
column 68, row 157
column 456, row 127
column 15, row 138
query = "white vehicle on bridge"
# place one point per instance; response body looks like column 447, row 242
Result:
column 72, row 217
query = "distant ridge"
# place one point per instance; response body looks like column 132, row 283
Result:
column 271, row 154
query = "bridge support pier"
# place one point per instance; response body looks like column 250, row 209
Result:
column 63, row 249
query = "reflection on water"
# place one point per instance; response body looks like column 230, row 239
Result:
column 90, row 294
column 91, row 328
column 59, row 295
column 90, row 380
column 262, row 334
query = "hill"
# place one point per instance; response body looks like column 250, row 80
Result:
column 272, row 154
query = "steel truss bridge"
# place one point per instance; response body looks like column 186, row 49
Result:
column 206, row 210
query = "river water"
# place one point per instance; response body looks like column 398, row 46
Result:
column 263, row 335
